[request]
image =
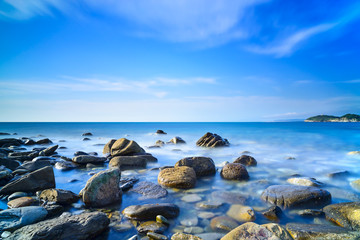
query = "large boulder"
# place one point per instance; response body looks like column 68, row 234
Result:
column 150, row 211
column 150, row 190
column 38, row 180
column 203, row 166
column 320, row 231
column 107, row 147
column 124, row 147
column 9, row 163
column 85, row 159
column 234, row 171
column 125, row 162
column 250, row 231
column 12, row 219
column 246, row 160
column 344, row 214
column 288, row 196
column 82, row 226
column 178, row 177
column 102, row 189
column 7, row 142
column 32, row 166
column 49, row 151
column 59, row 196
column 212, row 140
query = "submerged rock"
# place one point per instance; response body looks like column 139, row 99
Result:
column 288, row 196
column 150, row 190
column 7, row 142
column 344, row 214
column 203, row 166
column 234, row 171
column 250, row 231
column 229, row 197
column 223, row 224
column 82, row 226
column 212, row 140
column 178, row 177
column 38, row 180
column 246, row 160
column 151, row 226
column 304, row 181
column 124, row 147
column 150, row 211
column 241, row 213
column 87, row 134
column 65, row 165
column 184, row 236
column 44, row 141
column 102, row 189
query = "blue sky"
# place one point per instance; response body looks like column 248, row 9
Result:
column 180, row 60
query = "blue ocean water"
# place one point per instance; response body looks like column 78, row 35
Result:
column 317, row 148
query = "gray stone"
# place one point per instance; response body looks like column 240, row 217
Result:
column 150, row 190
column 59, row 196
column 9, row 163
column 33, row 165
column 304, row 181
column 49, row 151
column 229, row 197
column 150, row 211
column 84, row 159
column 126, row 162
column 203, row 166
column 65, row 165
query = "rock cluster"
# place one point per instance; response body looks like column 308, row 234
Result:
column 212, row 140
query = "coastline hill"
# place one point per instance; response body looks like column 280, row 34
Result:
column 329, row 118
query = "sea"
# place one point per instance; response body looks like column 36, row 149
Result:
column 282, row 150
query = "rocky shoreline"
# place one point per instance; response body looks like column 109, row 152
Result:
column 39, row 210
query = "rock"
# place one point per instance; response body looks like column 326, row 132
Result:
column 65, row 165
column 211, row 235
column 229, row 197
column 193, row 230
column 82, row 226
column 21, row 202
column 212, row 140
column 159, row 143
column 7, row 142
column 344, row 214
column 3, row 133
column 288, row 196
column 107, row 147
column 84, row 159
column 29, row 142
column 38, row 180
column 126, row 162
column 102, row 189
column 150, row 190
column 177, row 140
column 209, row 204
column 33, row 166
column 339, row 174
column 189, row 219
column 241, row 213
column 206, row 215
column 304, row 181
column 354, row 153
column 234, row 171
column 151, row 226
column 79, row 153
column 273, row 213
column 17, row 195
column 178, row 177
column 191, row 198
column 246, row 160
column 150, row 211
column 44, row 141
column 278, row 231
column 49, row 151
column 203, row 166
column 12, row 219
column 160, row 132
column 9, row 163
column 162, row 219
column 59, row 196
column 123, row 147
column 156, row 236
column 147, row 156
column 250, row 231
column 183, row 236
column 320, row 231
column 86, row 139
column 223, row 224
column 355, row 184
column 5, row 175
column 311, row 213
column 53, row 210
column 87, row 134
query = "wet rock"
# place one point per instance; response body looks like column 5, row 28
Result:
column 229, row 197
column 151, row 226
column 156, row 236
column 344, row 214
column 241, row 213
column 3, row 133
column 33, row 165
column 304, row 181
column 12, row 219
column 79, row 153
column 209, row 204
column 278, row 231
column 87, row 134
column 203, row 166
column 344, row 195
column 212, row 140
column 49, row 151
column 288, row 196
column 211, row 235
column 223, row 224
column 21, row 202
column 250, row 231
column 339, row 174
column 150, row 190
column 184, row 236
column 5, row 174
column 17, row 195
column 273, row 213
column 191, row 198
column 123, row 147
column 189, row 219
column 355, row 184
column 29, row 142
column 102, row 189
column 160, row 132
column 54, row 210
column 246, row 160
column 7, row 142
column 193, row 230
column 206, row 215
column 234, row 171
column 162, row 219
column 65, row 165
column 107, row 147
column 9, row 163
column 159, row 143
column 38, row 180
column 127, row 183
column 86, row 139
column 59, row 196
column 126, row 162
column 178, row 177
column 320, row 231
column 147, row 156
column 44, row 141
column 150, row 211
column 311, row 213
column 84, row 159
column 177, row 140
column 67, row 226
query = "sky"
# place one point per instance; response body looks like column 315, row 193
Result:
column 179, row 60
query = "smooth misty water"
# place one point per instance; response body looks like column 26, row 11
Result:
column 318, row 148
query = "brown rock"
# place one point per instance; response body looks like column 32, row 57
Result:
column 107, row 147
column 178, row 177
column 234, row 171
column 203, row 166
column 223, row 224
column 212, row 140
column 123, row 147
column 21, row 202
column 246, row 160
column 250, row 231
column 59, row 196
column 125, row 162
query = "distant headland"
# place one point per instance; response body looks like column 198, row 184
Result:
column 328, row 118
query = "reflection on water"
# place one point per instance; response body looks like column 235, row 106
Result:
column 281, row 150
